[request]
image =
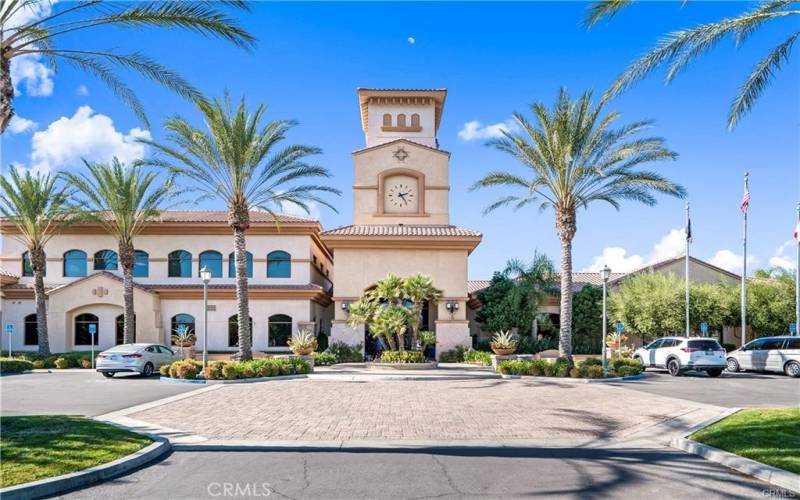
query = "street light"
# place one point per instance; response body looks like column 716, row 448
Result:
column 205, row 276
column 605, row 273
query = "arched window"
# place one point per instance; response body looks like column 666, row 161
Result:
column 179, row 264
column 27, row 267
column 415, row 120
column 105, row 260
column 279, row 264
column 401, row 120
column 84, row 323
column 213, row 261
column 233, row 331
column 141, row 264
column 232, row 265
column 280, row 330
column 182, row 320
column 31, row 330
column 120, row 329
column 387, row 120
column 74, row 264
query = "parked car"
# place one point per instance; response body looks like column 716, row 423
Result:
column 139, row 358
column 770, row 354
column 679, row 354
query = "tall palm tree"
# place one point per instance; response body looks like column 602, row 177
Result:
column 419, row 289
column 38, row 208
column 33, row 28
column 679, row 48
column 123, row 201
column 575, row 158
column 237, row 159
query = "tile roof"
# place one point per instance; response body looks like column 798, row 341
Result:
column 579, row 280
column 432, row 231
column 256, row 216
column 251, row 286
column 474, row 286
column 7, row 274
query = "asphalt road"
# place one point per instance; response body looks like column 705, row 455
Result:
column 461, row 473
column 732, row 390
column 80, row 393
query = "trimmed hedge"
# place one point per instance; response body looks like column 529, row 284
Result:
column 324, row 358
column 233, row 370
column 461, row 355
column 75, row 359
column 14, row 365
column 590, row 368
column 403, row 357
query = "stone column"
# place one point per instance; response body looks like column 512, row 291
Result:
column 451, row 334
column 351, row 336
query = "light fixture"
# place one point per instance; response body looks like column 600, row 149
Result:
column 451, row 307
column 345, row 306
column 605, row 273
column 205, row 275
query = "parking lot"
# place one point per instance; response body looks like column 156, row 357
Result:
column 80, row 393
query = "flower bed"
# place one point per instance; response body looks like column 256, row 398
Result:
column 12, row 365
column 589, row 368
column 61, row 361
column 403, row 357
column 232, row 370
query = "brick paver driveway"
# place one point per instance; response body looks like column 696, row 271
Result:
column 316, row 410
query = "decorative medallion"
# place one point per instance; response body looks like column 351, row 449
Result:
column 400, row 154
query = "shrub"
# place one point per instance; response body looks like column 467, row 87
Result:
column 229, row 371
column 452, row 356
column 86, row 363
column 62, row 363
column 593, row 371
column 324, row 358
column 478, row 357
column 617, row 362
column 504, row 340
column 50, row 361
column 538, row 367
column 164, row 370
column 214, row 370
column 627, row 371
column 402, row 357
column 576, row 372
column 185, row 369
column 592, row 362
column 561, row 368
column 345, row 353
column 38, row 364
column 14, row 365
column 303, row 339
column 300, row 366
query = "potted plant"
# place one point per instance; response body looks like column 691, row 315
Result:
column 614, row 340
column 303, row 342
column 185, row 340
column 503, row 343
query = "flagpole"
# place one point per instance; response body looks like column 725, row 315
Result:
column 797, row 276
column 686, row 278
column 744, row 267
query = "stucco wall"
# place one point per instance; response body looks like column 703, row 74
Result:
column 377, row 136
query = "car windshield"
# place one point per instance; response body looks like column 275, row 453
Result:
column 123, row 348
column 705, row 345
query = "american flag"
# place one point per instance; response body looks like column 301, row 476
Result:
column 745, row 199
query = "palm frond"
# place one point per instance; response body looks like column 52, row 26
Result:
column 605, row 9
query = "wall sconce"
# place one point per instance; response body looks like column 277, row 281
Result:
column 451, row 307
column 345, row 306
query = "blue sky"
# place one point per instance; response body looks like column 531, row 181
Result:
column 493, row 59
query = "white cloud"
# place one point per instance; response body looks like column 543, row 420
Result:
column 670, row 246
column 474, row 130
column 82, row 90
column 616, row 259
column 731, row 261
column 292, row 209
column 84, row 135
column 784, row 256
column 38, row 78
column 19, row 125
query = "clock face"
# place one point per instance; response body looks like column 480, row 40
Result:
column 401, row 195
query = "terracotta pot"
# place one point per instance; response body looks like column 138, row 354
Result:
column 612, row 345
column 503, row 352
column 303, row 352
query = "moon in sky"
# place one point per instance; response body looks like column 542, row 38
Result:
column 412, row 40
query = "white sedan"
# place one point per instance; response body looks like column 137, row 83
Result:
column 144, row 359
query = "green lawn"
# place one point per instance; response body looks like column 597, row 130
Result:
column 38, row 447
column 770, row 436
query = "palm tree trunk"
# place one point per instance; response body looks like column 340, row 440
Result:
column 415, row 326
column 6, row 96
column 126, row 257
column 565, row 226
column 391, row 342
column 242, row 300
column 401, row 341
column 38, row 264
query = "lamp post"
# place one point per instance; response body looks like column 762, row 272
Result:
column 605, row 273
column 205, row 276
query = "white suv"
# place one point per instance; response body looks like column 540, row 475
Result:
column 678, row 354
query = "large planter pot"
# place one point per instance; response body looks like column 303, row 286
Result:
column 613, row 345
column 503, row 352
column 188, row 352
column 303, row 352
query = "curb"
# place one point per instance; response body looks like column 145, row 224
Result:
column 767, row 473
column 60, row 484
column 571, row 380
column 171, row 380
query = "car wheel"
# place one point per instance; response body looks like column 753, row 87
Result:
column 714, row 372
column 108, row 374
column 733, row 365
column 147, row 370
column 792, row 369
column 674, row 367
column 641, row 362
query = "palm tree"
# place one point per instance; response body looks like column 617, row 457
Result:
column 123, row 201
column 38, row 209
column 575, row 158
column 419, row 289
column 679, row 48
column 534, row 281
column 31, row 28
column 236, row 159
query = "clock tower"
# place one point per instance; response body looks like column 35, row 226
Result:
column 401, row 214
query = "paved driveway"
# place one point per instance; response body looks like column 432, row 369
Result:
column 79, row 393
column 316, row 410
column 748, row 389
column 618, row 472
